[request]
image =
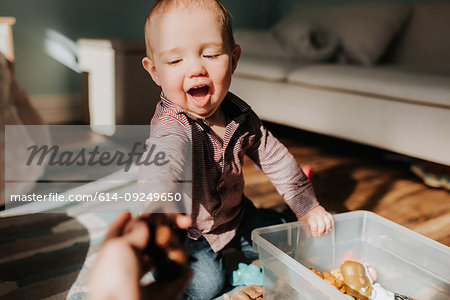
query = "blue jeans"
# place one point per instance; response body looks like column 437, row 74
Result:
column 207, row 265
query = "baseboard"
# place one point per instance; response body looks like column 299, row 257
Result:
column 59, row 109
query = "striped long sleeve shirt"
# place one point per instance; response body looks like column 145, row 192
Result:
column 217, row 178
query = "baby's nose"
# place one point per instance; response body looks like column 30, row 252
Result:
column 196, row 68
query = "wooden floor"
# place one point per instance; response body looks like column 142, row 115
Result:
column 349, row 176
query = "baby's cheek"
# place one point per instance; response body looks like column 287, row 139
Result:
column 222, row 72
column 173, row 89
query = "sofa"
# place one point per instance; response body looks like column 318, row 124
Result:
column 372, row 73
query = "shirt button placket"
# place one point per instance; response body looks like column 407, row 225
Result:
column 220, row 186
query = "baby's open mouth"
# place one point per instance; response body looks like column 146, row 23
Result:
column 199, row 91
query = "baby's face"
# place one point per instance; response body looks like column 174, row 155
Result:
column 191, row 60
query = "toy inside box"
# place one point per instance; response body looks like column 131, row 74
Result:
column 406, row 262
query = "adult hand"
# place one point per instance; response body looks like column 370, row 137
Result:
column 122, row 259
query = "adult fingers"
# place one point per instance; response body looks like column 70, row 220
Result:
column 167, row 230
column 159, row 218
column 166, row 237
column 117, row 227
column 138, row 235
column 175, row 219
column 183, row 221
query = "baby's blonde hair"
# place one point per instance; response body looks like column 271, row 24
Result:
column 163, row 6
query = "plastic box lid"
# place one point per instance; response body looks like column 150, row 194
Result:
column 407, row 262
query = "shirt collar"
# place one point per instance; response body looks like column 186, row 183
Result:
column 234, row 108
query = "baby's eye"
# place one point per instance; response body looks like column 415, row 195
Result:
column 173, row 61
column 210, row 55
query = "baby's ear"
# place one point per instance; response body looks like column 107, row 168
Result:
column 235, row 55
column 149, row 66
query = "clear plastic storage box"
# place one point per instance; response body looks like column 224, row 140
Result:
column 407, row 262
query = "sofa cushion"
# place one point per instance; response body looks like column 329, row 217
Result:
column 418, row 86
column 306, row 40
column 426, row 39
column 364, row 30
column 259, row 43
column 267, row 68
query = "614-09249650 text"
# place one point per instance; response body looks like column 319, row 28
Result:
column 98, row 196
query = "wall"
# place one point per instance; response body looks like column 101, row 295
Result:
column 45, row 27
column 46, row 31
column 279, row 8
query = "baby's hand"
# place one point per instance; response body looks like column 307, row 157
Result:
column 319, row 220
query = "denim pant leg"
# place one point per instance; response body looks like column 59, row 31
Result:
column 253, row 218
column 209, row 273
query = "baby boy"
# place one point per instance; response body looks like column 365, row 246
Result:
column 191, row 55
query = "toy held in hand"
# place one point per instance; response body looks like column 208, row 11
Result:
column 166, row 247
